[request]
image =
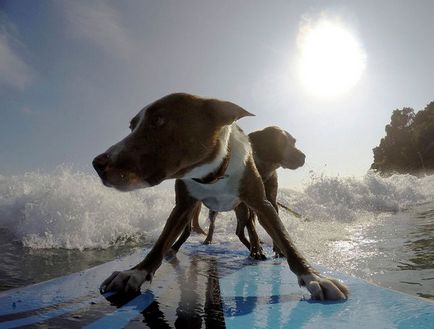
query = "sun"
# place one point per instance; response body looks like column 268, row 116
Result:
column 330, row 60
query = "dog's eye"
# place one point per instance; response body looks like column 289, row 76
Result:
column 157, row 122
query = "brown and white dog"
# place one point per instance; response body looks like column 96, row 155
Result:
column 272, row 148
column 196, row 141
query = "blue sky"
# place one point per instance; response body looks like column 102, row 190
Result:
column 72, row 74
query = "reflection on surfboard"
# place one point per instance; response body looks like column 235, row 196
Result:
column 207, row 287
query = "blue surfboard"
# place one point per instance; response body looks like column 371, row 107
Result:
column 215, row 286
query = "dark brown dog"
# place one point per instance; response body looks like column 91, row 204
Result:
column 196, row 141
column 272, row 148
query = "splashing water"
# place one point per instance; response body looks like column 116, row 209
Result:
column 347, row 199
column 73, row 210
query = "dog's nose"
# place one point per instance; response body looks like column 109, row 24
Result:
column 100, row 162
column 303, row 158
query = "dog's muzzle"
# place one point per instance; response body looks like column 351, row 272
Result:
column 100, row 163
column 122, row 180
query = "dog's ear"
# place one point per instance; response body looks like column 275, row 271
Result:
column 225, row 113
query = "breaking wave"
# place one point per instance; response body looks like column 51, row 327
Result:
column 346, row 199
column 73, row 210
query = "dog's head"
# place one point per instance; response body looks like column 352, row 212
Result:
column 277, row 146
column 168, row 138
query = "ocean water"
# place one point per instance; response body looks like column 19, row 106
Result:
column 378, row 229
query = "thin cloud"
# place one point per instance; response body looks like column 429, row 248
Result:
column 14, row 71
column 100, row 24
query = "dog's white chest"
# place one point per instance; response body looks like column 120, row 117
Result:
column 220, row 196
column 224, row 203
column 224, row 194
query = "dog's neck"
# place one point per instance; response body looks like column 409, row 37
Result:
column 265, row 168
column 217, row 174
column 214, row 170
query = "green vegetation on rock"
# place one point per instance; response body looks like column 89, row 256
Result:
column 408, row 146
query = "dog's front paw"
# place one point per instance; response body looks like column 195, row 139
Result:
column 277, row 252
column 207, row 241
column 322, row 288
column 257, row 253
column 125, row 282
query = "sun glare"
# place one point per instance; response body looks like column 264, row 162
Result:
column 331, row 60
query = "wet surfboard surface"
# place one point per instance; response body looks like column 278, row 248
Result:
column 216, row 286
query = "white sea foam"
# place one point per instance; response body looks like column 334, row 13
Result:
column 67, row 209
column 347, row 199
column 70, row 209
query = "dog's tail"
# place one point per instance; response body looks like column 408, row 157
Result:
column 296, row 214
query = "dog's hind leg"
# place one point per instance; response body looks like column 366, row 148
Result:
column 256, row 251
column 242, row 213
column 212, row 217
column 195, row 222
column 271, row 186
column 184, row 236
